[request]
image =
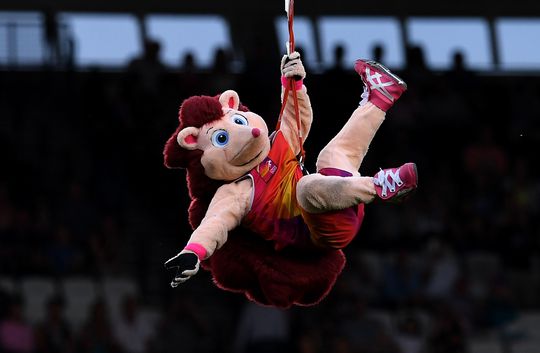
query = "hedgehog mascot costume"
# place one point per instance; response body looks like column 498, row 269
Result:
column 260, row 225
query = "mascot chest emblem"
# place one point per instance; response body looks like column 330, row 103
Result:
column 267, row 169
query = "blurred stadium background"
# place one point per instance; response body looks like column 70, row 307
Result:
column 89, row 93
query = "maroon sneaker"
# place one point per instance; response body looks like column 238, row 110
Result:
column 383, row 87
column 396, row 184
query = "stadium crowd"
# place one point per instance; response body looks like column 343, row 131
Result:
column 83, row 192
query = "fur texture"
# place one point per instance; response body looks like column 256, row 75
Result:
column 246, row 263
column 195, row 111
column 250, row 265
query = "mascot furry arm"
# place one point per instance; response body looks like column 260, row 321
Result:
column 239, row 175
column 233, row 145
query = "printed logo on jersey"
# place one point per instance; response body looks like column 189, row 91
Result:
column 267, row 169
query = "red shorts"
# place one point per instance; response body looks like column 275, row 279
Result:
column 334, row 229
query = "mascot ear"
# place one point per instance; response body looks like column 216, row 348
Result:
column 187, row 138
column 229, row 99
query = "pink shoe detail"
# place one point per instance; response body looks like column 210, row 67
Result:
column 396, row 184
column 383, row 86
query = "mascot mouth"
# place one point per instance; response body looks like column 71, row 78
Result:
column 251, row 160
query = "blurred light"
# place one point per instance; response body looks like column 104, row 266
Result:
column 30, row 48
column 21, row 17
column 103, row 39
column 516, row 38
column 304, row 37
column 441, row 38
column 26, row 29
column 179, row 35
column 3, row 44
column 359, row 36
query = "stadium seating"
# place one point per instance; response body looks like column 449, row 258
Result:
column 79, row 294
column 36, row 291
column 481, row 267
column 114, row 290
column 7, row 284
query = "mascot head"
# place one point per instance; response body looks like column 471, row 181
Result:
column 218, row 140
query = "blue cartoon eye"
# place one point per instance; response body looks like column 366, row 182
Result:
column 220, row 138
column 239, row 119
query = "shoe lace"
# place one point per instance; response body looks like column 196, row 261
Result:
column 375, row 83
column 365, row 97
column 387, row 180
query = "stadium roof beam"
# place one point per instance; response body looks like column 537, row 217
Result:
column 525, row 8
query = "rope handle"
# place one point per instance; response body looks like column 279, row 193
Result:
column 289, row 8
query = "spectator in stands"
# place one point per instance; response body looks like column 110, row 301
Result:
column 4, row 303
column 262, row 329
column 222, row 61
column 441, row 271
column 132, row 332
column 464, row 304
column 189, row 79
column 461, row 79
column 65, row 257
column 500, row 306
column 144, row 83
column 362, row 331
column 221, row 78
column 409, row 335
column 97, row 334
column 147, row 70
column 517, row 229
column 363, row 278
column 415, row 59
column 524, row 126
column 485, row 159
column 446, row 334
column 378, row 53
column 417, row 72
column 187, row 63
column 8, row 250
column 16, row 336
column 183, row 327
column 402, row 280
column 309, row 342
column 338, row 60
column 106, row 247
column 78, row 214
column 341, row 344
column 54, row 334
column 51, row 37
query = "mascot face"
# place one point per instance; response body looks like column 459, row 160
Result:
column 232, row 145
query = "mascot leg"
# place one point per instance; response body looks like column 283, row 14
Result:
column 332, row 199
column 347, row 149
column 320, row 192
